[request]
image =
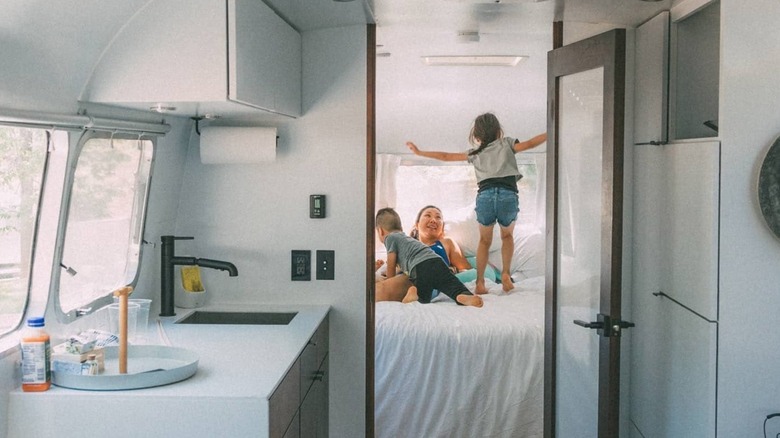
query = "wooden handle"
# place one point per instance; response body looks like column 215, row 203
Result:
column 123, row 293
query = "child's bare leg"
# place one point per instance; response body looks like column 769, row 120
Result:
column 469, row 300
column 507, row 250
column 411, row 295
column 483, row 249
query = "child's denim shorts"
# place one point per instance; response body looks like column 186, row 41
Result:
column 497, row 204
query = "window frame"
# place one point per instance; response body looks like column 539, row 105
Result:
column 50, row 140
column 67, row 194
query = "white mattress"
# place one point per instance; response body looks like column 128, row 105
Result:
column 444, row 370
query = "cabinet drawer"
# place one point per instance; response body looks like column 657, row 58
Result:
column 284, row 402
column 313, row 356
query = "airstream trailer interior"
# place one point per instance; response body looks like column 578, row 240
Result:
column 226, row 158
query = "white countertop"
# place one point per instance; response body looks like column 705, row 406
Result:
column 239, row 368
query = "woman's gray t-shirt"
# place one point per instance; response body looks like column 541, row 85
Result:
column 409, row 251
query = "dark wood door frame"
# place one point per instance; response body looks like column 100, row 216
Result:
column 608, row 51
column 370, row 201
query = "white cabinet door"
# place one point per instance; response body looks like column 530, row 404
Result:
column 264, row 58
column 651, row 80
column 675, row 251
column 673, row 377
column 689, row 227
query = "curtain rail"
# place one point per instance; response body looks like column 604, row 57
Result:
column 78, row 122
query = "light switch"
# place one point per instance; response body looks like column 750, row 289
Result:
column 326, row 265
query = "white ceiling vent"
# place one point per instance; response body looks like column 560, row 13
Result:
column 475, row 60
column 495, row 2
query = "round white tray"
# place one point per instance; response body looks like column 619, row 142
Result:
column 147, row 366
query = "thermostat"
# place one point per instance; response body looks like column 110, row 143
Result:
column 317, row 206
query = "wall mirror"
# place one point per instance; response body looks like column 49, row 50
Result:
column 769, row 187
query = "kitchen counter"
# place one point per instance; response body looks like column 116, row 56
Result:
column 239, row 368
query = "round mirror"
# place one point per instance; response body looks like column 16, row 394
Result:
column 769, row 187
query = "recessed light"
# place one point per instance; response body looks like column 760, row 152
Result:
column 162, row 108
column 474, row 60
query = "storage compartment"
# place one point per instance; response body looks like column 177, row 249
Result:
column 299, row 406
column 695, row 69
column 233, row 58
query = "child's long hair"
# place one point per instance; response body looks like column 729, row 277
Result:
column 486, row 130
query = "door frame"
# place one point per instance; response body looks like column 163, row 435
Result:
column 607, row 50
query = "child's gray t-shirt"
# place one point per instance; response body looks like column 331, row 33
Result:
column 497, row 160
column 409, row 251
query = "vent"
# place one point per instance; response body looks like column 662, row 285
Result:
column 476, row 60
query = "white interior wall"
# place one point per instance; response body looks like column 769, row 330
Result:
column 435, row 106
column 254, row 215
column 748, row 356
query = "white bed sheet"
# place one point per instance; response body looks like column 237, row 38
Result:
column 444, row 370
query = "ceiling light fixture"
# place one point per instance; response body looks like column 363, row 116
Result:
column 474, row 60
column 162, row 108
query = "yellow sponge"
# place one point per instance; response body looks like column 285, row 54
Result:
column 190, row 279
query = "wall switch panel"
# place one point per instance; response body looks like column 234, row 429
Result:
column 326, row 265
column 301, row 265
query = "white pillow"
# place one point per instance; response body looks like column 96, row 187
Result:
column 464, row 229
column 528, row 256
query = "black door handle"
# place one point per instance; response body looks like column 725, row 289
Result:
column 605, row 325
column 590, row 325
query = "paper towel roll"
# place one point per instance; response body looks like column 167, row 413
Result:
column 237, row 145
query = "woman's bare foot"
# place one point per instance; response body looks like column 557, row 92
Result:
column 506, row 282
column 480, row 288
column 469, row 300
column 411, row 295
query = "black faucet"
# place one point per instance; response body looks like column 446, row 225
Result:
column 168, row 260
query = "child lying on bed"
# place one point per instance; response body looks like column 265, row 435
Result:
column 426, row 270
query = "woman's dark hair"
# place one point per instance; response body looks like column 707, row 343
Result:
column 486, row 130
column 415, row 233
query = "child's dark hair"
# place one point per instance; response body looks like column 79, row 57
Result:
column 388, row 220
column 486, row 130
column 415, row 232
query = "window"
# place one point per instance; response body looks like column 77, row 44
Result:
column 107, row 205
column 22, row 164
column 453, row 188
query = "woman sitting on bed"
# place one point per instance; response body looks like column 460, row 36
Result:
column 428, row 229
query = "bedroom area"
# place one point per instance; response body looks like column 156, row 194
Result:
column 574, row 346
column 480, row 370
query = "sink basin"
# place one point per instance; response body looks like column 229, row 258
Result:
column 245, row 318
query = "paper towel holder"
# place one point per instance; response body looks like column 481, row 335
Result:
column 207, row 117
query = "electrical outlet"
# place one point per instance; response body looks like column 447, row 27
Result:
column 301, row 265
column 326, row 265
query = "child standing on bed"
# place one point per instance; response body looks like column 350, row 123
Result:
column 497, row 174
column 426, row 270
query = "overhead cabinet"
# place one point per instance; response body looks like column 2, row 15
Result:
column 234, row 57
column 677, row 74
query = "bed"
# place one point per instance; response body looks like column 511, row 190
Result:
column 444, row 370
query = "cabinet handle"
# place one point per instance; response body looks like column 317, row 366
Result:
column 318, row 376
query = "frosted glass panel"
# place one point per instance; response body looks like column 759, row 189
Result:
column 579, row 255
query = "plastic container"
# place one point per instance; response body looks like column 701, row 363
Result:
column 132, row 319
column 36, row 356
column 142, row 320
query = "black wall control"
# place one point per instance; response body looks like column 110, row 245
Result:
column 317, row 206
column 301, row 265
column 326, row 264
